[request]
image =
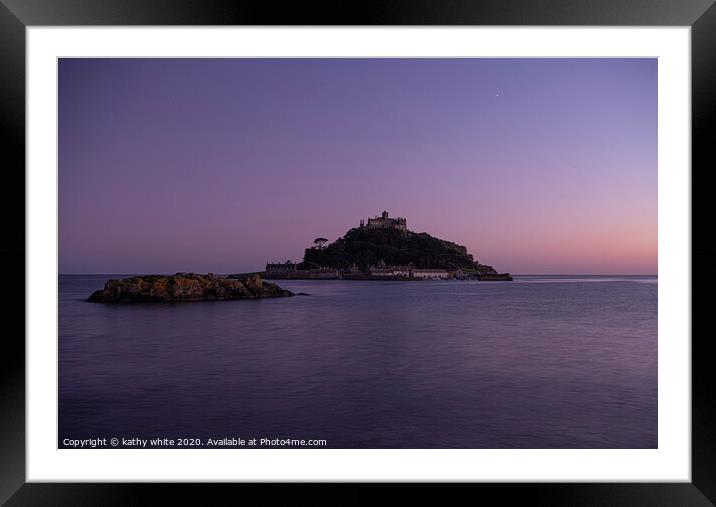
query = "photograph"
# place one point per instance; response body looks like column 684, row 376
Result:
column 357, row 253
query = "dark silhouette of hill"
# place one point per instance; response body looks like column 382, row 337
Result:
column 366, row 246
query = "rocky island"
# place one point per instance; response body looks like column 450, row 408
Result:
column 185, row 287
column 383, row 248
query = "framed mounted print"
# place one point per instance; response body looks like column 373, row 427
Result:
column 436, row 245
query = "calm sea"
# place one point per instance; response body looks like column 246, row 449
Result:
column 542, row 362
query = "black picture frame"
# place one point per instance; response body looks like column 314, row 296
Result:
column 16, row 15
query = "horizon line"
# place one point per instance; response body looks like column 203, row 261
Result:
column 513, row 274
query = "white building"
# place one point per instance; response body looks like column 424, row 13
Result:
column 382, row 270
column 401, row 271
column 430, row 274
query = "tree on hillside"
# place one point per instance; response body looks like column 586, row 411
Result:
column 319, row 242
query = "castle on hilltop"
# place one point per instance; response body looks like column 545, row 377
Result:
column 385, row 222
column 374, row 251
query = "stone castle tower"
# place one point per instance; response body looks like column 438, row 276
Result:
column 385, row 222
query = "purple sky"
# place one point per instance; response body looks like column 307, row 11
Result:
column 536, row 165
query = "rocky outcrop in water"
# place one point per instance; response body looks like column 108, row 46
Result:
column 185, row 287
